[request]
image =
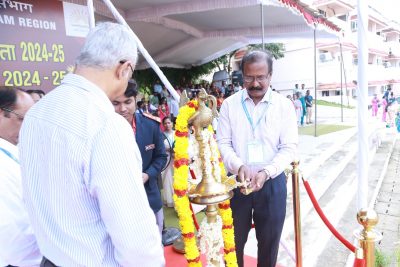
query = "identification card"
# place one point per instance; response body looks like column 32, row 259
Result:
column 255, row 152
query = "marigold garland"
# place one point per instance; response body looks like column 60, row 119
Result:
column 181, row 172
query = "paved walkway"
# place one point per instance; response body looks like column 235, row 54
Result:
column 329, row 163
column 388, row 208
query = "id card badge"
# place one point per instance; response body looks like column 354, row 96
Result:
column 255, row 152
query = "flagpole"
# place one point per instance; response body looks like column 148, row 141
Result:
column 362, row 105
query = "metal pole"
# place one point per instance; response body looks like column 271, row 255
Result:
column 362, row 106
column 91, row 13
column 367, row 236
column 262, row 25
column 341, row 80
column 143, row 50
column 296, row 213
column 315, row 81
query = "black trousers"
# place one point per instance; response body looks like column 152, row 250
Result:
column 267, row 208
column 46, row 263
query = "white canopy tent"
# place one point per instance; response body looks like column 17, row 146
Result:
column 187, row 33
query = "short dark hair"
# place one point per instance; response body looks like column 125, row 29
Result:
column 131, row 89
column 256, row 56
column 140, row 103
column 166, row 118
column 8, row 97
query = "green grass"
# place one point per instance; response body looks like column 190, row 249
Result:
column 322, row 129
column 171, row 217
column 381, row 259
column 332, row 104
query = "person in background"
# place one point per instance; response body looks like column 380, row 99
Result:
column 296, row 88
column 174, row 107
column 223, row 88
column 151, row 145
column 237, row 87
column 36, row 94
column 81, row 167
column 220, row 99
column 384, row 108
column 157, row 88
column 391, row 109
column 257, row 136
column 18, row 246
column 140, row 107
column 304, row 108
column 168, row 173
column 163, row 111
column 375, row 104
column 298, row 107
column 309, row 104
column 164, row 92
column 154, row 101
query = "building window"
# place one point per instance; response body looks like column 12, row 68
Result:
column 325, row 56
column 322, row 12
column 353, row 26
column 325, row 93
column 337, row 92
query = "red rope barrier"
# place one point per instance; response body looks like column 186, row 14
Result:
column 359, row 262
column 325, row 220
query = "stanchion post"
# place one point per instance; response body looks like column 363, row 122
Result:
column 296, row 212
column 368, row 236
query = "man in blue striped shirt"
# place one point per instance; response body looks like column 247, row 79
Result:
column 81, row 167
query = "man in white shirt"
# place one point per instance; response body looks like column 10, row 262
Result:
column 18, row 245
column 81, row 167
column 257, row 137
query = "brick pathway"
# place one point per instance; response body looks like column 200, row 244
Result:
column 388, row 208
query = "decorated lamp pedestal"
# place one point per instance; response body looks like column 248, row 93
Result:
column 214, row 189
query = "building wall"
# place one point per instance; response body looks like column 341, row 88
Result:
column 296, row 67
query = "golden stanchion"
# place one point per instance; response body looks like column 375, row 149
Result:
column 296, row 212
column 368, row 236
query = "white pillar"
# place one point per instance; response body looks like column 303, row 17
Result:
column 362, row 104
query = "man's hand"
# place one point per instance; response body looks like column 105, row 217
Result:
column 244, row 177
column 244, row 174
column 145, row 177
column 258, row 181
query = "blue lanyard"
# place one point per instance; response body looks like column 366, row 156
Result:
column 9, row 155
column 253, row 127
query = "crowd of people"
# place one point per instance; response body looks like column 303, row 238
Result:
column 303, row 103
column 80, row 167
column 390, row 109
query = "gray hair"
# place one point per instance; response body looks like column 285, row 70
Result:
column 106, row 45
column 257, row 56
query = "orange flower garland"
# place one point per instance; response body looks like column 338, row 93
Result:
column 181, row 171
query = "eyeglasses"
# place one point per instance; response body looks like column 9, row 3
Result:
column 259, row 79
column 123, row 62
column 19, row 116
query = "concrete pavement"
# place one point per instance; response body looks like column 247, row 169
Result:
column 329, row 164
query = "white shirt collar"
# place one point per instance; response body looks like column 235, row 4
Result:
column 13, row 149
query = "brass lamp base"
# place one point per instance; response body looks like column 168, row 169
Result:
column 213, row 199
